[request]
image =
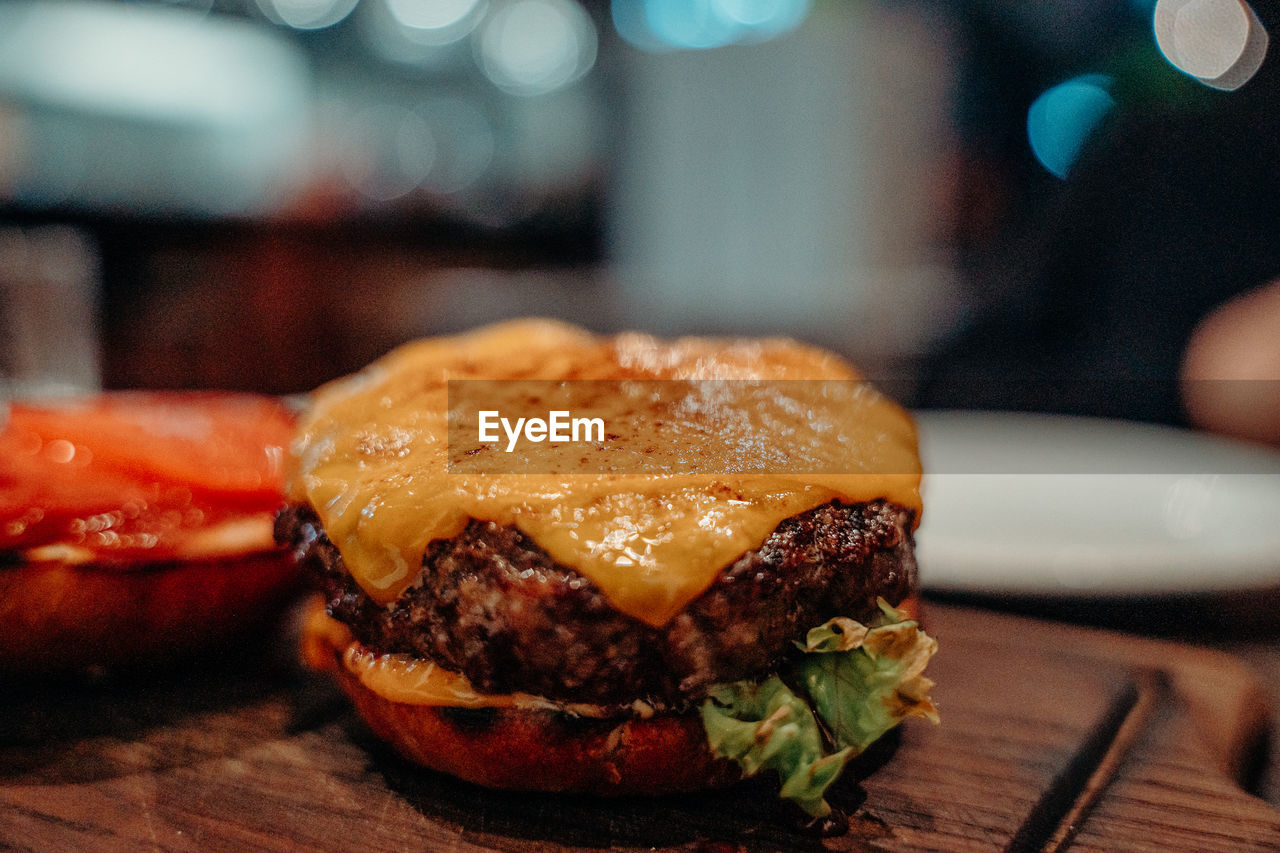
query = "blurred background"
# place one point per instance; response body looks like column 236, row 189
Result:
column 968, row 198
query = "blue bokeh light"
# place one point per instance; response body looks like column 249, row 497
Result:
column 662, row 25
column 1061, row 120
column 631, row 21
column 761, row 20
column 691, row 24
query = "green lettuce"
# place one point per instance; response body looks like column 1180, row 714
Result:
column 852, row 684
column 765, row 726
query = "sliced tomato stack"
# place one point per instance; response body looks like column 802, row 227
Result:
column 135, row 526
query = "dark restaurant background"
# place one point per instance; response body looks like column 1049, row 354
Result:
column 265, row 194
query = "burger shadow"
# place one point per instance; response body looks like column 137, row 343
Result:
column 747, row 816
column 93, row 726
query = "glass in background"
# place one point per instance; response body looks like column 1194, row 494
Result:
column 48, row 312
column 803, row 186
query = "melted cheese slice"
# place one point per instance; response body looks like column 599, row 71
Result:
column 373, row 460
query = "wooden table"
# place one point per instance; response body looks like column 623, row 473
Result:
column 1053, row 737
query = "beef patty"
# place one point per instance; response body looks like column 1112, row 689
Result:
column 496, row 607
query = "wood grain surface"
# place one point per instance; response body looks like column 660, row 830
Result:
column 1053, row 737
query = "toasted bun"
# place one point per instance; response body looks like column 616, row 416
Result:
column 531, row 749
column 136, row 527
column 56, row 617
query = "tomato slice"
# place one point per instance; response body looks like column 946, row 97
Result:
column 128, row 476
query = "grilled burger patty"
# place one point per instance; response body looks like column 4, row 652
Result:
column 496, row 607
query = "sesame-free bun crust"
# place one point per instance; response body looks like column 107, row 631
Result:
column 534, row 749
column 58, row 617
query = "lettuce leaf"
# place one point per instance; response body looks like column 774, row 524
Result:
column 863, row 691
column 854, row 682
column 764, row 726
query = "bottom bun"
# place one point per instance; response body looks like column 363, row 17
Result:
column 56, row 617
column 532, row 748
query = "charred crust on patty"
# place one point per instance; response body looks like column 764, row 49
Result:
column 493, row 605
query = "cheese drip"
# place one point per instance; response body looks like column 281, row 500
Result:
column 372, row 459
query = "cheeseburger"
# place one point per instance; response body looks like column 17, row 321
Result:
column 720, row 582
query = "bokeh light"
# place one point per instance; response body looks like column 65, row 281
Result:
column 465, row 144
column 631, row 22
column 690, row 24
column 657, row 25
column 419, row 32
column 306, row 14
column 1061, row 120
column 1219, row 42
column 388, row 151
column 534, row 47
column 761, row 20
column 436, row 22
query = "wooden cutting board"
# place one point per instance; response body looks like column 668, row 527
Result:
column 1052, row 737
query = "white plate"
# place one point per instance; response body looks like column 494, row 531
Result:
column 1050, row 505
